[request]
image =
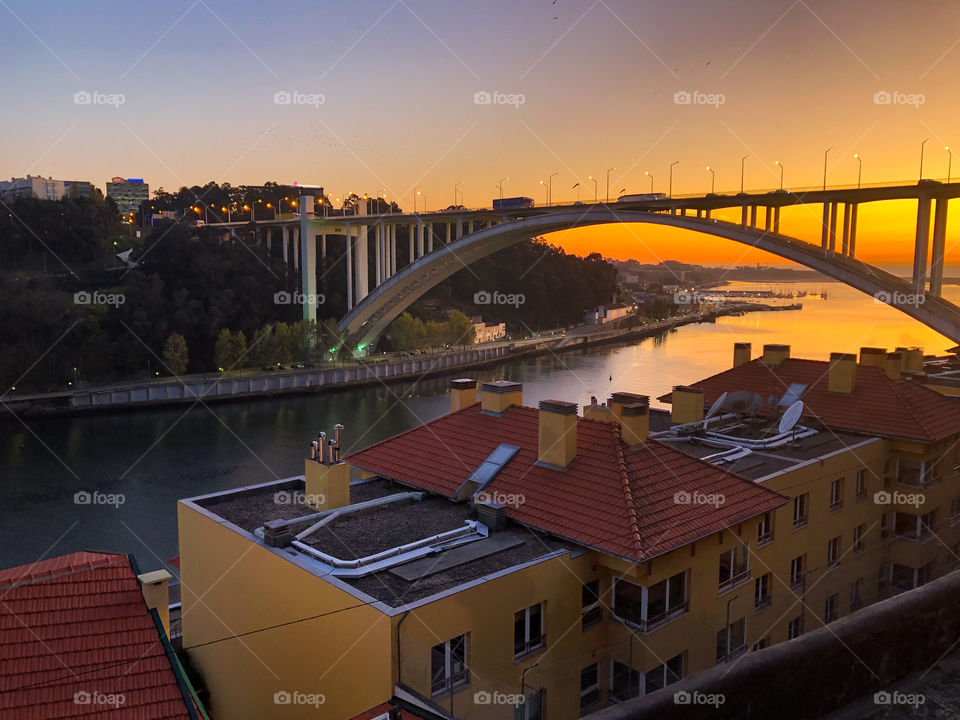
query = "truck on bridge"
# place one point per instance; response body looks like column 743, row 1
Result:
column 514, row 203
column 642, row 197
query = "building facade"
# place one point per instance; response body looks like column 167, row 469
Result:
column 129, row 194
column 488, row 331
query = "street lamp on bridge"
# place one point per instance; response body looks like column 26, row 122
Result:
column 825, row 153
column 859, row 168
column 922, row 145
column 608, row 183
column 780, row 165
column 713, row 179
column 595, row 184
column 670, row 185
column 424, row 196
column 949, row 161
column 416, row 192
column 550, row 186
column 650, row 175
column 546, row 189
column 743, row 160
column 500, row 185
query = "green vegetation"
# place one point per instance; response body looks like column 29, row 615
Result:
column 409, row 333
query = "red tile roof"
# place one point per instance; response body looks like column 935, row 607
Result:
column 878, row 405
column 77, row 627
column 611, row 497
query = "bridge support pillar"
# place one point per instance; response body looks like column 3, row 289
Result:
column 393, row 250
column 845, row 242
column 852, row 249
column 939, row 240
column 776, row 219
column 323, row 246
column 308, row 259
column 753, row 216
column 349, row 252
column 361, row 262
column 269, row 240
column 285, row 240
column 743, row 215
column 429, row 227
column 824, row 240
column 767, row 217
column 834, row 208
column 922, row 247
column 470, row 226
column 420, row 233
column 459, row 223
column 295, row 233
column 412, row 257
column 378, row 254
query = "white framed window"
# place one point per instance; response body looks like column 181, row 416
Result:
column 955, row 509
column 831, row 608
column 856, row 594
column 761, row 591
column 795, row 627
column 734, row 567
column 800, row 511
column 528, row 634
column 836, row 495
column 448, row 666
column 732, row 640
column 833, row 551
column 649, row 607
column 861, row 485
column 797, row 571
column 591, row 609
column 858, row 532
column 765, row 529
column 665, row 674
column 589, row 687
column 907, row 526
column 625, row 682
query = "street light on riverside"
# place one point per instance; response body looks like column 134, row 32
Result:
column 595, row 185
column 780, row 165
column 743, row 161
column 713, row 179
column 670, row 185
column 825, row 153
column 650, row 175
column 859, row 168
column 608, row 183
column 500, row 185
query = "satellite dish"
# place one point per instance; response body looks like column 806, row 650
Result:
column 791, row 417
column 738, row 401
column 717, row 404
column 757, row 405
column 772, row 401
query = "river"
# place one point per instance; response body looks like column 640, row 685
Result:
column 144, row 460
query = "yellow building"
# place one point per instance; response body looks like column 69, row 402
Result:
column 510, row 561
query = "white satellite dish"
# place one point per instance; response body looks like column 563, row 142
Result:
column 717, row 404
column 791, row 417
column 738, row 401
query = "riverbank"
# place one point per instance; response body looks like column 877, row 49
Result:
column 222, row 388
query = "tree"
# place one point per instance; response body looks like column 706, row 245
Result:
column 230, row 349
column 175, row 355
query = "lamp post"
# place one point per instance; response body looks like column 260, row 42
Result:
column 670, row 184
column 650, row 175
column 859, row 168
column 577, row 188
column 780, row 165
column 825, row 153
column 546, row 189
column 550, row 186
column 608, row 182
column 500, row 185
column 743, row 160
column 416, row 192
column 595, row 184
column 922, row 145
column 949, row 161
column 424, row 196
column 713, row 179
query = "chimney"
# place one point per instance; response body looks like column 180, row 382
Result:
column 326, row 483
column 773, row 355
column 617, row 401
column 558, row 433
column 463, row 393
column 894, row 365
column 276, row 533
column 912, row 358
column 686, row 404
column 741, row 353
column 873, row 357
column 155, row 587
column 635, row 423
column 493, row 515
column 598, row 411
column 495, row 397
column 843, row 373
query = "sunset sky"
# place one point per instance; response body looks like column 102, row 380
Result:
column 383, row 100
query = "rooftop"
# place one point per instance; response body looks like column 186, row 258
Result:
column 76, row 633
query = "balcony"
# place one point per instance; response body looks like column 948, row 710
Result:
column 529, row 647
column 654, row 622
column 737, row 580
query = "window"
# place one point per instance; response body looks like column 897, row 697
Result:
column 448, row 666
column 624, row 682
column 914, row 527
column 956, row 459
column 795, row 627
column 856, row 595
column 861, row 485
column 666, row 674
column 761, row 644
column 797, row 570
column 884, row 526
column 955, row 509
column 858, row 532
column 800, row 511
column 532, row 706
column 589, row 687
column 528, row 634
column 732, row 640
column 836, row 495
column 734, row 567
column 591, row 611
column 761, row 591
column 831, row 608
column 648, row 608
column 916, row 473
column 833, row 552
column 765, row 529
